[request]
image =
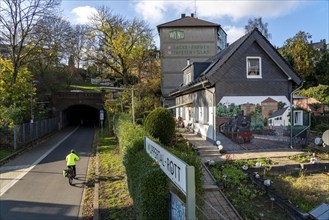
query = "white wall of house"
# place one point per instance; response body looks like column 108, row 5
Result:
column 200, row 117
column 281, row 120
column 204, row 122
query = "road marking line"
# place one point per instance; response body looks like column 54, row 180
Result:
column 25, row 171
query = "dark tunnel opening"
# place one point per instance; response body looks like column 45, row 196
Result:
column 83, row 115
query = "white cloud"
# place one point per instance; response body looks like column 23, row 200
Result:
column 151, row 11
column 237, row 10
column 233, row 33
column 154, row 11
column 83, row 13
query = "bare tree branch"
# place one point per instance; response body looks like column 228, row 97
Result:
column 18, row 18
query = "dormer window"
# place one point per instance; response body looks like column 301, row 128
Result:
column 187, row 78
column 254, row 67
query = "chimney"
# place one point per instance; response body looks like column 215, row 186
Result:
column 188, row 61
column 183, row 15
column 192, row 15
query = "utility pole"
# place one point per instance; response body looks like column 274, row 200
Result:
column 32, row 115
column 132, row 104
column 132, row 98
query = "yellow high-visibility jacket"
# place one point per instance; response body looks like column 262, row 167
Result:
column 71, row 158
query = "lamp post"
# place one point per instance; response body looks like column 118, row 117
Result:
column 32, row 116
column 31, row 87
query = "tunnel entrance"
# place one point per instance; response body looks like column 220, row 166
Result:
column 83, row 115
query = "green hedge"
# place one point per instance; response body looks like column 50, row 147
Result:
column 148, row 185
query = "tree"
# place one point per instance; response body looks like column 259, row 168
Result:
column 258, row 23
column 230, row 110
column 78, row 44
column 299, row 53
column 15, row 99
column 18, row 22
column 115, row 42
column 322, row 68
column 320, row 93
column 53, row 35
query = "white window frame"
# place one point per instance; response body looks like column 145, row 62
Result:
column 259, row 67
column 298, row 117
column 190, row 113
column 187, row 78
column 206, row 115
column 196, row 114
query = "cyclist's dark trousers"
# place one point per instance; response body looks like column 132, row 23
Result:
column 74, row 172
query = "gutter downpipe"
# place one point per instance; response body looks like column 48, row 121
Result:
column 214, row 112
column 291, row 111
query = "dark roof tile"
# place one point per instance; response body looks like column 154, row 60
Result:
column 188, row 22
column 278, row 112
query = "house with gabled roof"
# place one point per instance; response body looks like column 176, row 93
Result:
column 184, row 40
column 247, row 71
column 280, row 118
column 269, row 106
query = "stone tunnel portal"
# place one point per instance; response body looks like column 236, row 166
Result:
column 78, row 108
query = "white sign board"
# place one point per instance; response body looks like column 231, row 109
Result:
column 101, row 115
column 172, row 166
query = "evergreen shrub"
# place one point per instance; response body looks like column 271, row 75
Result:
column 160, row 124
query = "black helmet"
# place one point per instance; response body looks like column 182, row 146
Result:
column 73, row 151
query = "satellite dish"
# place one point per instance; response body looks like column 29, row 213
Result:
column 218, row 142
column 325, row 137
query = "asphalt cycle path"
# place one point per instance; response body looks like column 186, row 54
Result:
column 37, row 189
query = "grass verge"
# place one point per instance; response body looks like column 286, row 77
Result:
column 5, row 152
column 114, row 199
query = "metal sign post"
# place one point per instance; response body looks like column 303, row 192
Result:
column 179, row 172
column 190, row 193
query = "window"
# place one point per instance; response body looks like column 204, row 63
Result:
column 187, row 78
column 196, row 114
column 254, row 67
column 206, row 115
column 189, row 113
column 298, row 117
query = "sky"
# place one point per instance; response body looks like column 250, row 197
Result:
column 285, row 18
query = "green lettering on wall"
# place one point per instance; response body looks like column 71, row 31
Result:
column 176, row 35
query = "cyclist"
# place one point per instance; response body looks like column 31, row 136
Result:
column 70, row 161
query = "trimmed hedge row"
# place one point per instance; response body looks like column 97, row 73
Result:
column 148, row 185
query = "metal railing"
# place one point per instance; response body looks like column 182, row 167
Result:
column 29, row 132
column 207, row 211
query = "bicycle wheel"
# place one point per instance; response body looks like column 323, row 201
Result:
column 70, row 179
column 70, row 175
